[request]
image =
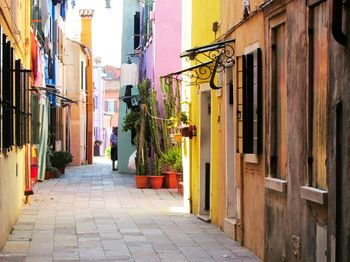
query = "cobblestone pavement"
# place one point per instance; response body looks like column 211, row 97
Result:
column 94, row 214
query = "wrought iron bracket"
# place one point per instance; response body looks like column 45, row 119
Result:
column 212, row 59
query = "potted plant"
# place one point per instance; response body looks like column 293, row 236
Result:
column 59, row 159
column 135, row 121
column 171, row 164
column 156, row 179
column 52, row 172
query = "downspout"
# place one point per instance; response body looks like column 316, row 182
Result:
column 337, row 17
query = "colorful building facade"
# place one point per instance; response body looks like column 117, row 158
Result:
column 129, row 44
column 15, row 149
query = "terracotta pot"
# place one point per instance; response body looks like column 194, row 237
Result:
column 185, row 131
column 49, row 175
column 62, row 170
column 170, row 180
column 156, row 181
column 141, row 181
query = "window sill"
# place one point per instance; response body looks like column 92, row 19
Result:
column 251, row 158
column 276, row 184
column 314, row 194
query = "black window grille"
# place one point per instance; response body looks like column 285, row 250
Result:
column 7, row 93
column 251, row 75
column 35, row 119
column 22, row 115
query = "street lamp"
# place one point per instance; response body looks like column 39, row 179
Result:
column 108, row 4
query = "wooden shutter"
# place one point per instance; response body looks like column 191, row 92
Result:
column 239, row 97
column 248, row 105
column 115, row 106
column 257, row 102
column 18, row 103
column 35, row 111
column 250, row 89
column 1, row 97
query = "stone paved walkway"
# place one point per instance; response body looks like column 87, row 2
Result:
column 94, row 214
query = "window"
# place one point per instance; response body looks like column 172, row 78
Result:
column 95, row 103
column 278, row 109
column 136, row 30
column 249, row 102
column 317, row 117
column 14, row 102
column 35, row 110
column 7, row 93
column 146, row 23
column 111, row 106
column 82, row 78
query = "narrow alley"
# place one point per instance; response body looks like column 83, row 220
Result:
column 92, row 213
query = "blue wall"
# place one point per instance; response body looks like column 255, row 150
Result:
column 125, row 148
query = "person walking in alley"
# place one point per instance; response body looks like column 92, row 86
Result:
column 114, row 147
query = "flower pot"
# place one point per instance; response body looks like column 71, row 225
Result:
column 156, row 181
column 141, row 181
column 185, row 131
column 62, row 170
column 170, row 180
column 34, row 172
column 49, row 175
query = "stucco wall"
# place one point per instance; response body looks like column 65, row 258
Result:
column 12, row 165
column 78, row 111
column 11, row 190
column 125, row 148
column 204, row 13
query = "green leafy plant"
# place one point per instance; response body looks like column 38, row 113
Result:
column 172, row 160
column 60, row 159
column 132, row 121
column 108, row 152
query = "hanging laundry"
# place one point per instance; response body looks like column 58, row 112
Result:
column 44, row 14
column 34, row 54
column 55, row 2
column 63, row 10
column 129, row 74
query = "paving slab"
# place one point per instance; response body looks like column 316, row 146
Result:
column 94, row 214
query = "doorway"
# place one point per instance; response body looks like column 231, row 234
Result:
column 205, row 152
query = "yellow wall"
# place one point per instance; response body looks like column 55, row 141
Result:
column 86, row 38
column 204, row 13
column 12, row 164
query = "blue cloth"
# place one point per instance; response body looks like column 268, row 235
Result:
column 114, row 139
column 64, row 7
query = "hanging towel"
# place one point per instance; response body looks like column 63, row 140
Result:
column 129, row 75
column 34, row 54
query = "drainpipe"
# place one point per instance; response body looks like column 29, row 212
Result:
column 337, row 17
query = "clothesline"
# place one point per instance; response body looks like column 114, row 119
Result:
column 158, row 118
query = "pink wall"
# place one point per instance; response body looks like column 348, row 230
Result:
column 113, row 95
column 167, row 34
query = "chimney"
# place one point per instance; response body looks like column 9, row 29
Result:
column 86, row 39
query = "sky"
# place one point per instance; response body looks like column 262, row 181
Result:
column 106, row 28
